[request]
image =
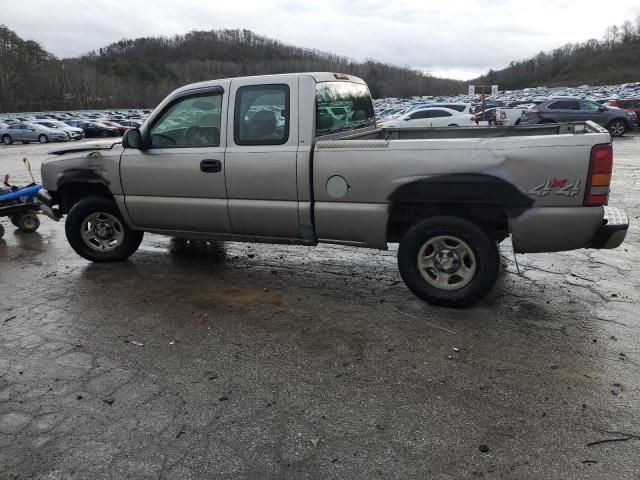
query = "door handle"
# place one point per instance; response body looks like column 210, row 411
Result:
column 210, row 166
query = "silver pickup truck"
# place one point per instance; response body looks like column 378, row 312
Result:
column 298, row 159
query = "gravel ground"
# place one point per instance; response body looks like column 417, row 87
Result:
column 264, row 361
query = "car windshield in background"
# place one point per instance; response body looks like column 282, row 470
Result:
column 342, row 106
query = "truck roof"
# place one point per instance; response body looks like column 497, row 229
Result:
column 317, row 76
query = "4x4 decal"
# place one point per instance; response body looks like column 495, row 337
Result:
column 557, row 187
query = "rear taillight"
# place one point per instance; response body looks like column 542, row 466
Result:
column 600, row 168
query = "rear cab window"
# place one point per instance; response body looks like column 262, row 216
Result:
column 343, row 106
column 261, row 115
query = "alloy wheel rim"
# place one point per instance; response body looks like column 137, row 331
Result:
column 102, row 232
column 617, row 128
column 447, row 262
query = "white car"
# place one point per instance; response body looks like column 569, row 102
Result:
column 74, row 133
column 431, row 117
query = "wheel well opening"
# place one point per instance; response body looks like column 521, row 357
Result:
column 71, row 193
column 491, row 218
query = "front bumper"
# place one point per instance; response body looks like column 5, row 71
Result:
column 46, row 200
column 613, row 231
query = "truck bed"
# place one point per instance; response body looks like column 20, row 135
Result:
column 533, row 159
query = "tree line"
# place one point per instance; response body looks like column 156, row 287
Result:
column 141, row 72
column 613, row 59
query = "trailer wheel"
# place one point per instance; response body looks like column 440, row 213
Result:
column 96, row 231
column 14, row 220
column 448, row 261
column 1, row 231
column 29, row 222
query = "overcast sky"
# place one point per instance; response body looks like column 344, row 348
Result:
column 454, row 38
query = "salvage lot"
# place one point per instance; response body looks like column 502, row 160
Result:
column 264, row 361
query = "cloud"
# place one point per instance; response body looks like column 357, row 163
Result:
column 461, row 37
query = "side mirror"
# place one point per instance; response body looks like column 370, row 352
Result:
column 133, row 139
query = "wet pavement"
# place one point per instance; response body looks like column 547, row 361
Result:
column 262, row 361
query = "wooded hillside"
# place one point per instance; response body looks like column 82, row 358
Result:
column 141, row 72
column 614, row 59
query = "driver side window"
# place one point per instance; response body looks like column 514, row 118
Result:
column 189, row 122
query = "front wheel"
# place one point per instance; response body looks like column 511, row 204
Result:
column 43, row 138
column 7, row 140
column 448, row 261
column 96, row 231
column 617, row 128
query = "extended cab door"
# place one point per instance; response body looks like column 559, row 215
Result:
column 178, row 182
column 262, row 145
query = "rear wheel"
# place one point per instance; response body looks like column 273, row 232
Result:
column 96, row 231
column 7, row 140
column 617, row 128
column 43, row 138
column 448, row 261
column 104, row 134
column 28, row 223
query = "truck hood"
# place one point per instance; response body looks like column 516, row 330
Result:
column 86, row 147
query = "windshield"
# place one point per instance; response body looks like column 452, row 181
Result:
column 342, row 106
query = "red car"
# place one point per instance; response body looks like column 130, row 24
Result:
column 631, row 104
column 121, row 128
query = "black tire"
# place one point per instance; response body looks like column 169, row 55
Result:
column 43, row 138
column 105, row 134
column 87, row 207
column 485, row 260
column 1, row 231
column 14, row 220
column 617, row 127
column 28, row 223
column 7, row 140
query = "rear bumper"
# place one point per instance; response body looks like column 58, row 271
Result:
column 613, row 231
column 557, row 229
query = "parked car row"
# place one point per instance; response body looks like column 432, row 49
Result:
column 60, row 127
column 614, row 107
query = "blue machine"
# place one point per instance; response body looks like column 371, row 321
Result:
column 20, row 204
